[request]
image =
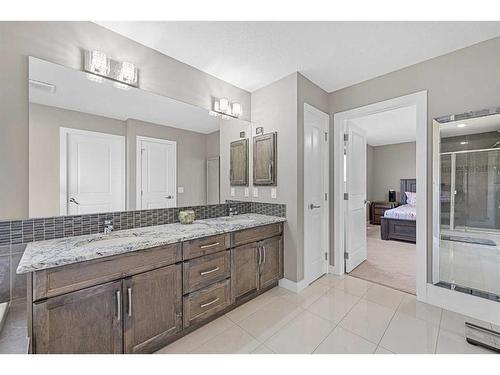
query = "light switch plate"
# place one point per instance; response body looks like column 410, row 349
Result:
column 232, row 192
column 247, row 192
column 255, row 192
column 180, row 189
column 273, row 193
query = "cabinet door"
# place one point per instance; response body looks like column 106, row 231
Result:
column 244, row 270
column 271, row 261
column 81, row 322
column 238, row 163
column 264, row 159
column 152, row 308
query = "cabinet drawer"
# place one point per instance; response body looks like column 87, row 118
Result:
column 65, row 279
column 256, row 234
column 201, row 272
column 207, row 302
column 204, row 246
column 380, row 211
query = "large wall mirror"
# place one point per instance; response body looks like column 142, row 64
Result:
column 99, row 146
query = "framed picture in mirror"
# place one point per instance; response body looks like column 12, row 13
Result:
column 238, row 170
column 264, row 159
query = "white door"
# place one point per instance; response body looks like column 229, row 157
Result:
column 213, row 181
column 156, row 173
column 92, row 172
column 356, row 197
column 316, row 211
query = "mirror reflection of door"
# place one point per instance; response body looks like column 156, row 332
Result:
column 156, row 173
column 213, row 181
column 92, row 168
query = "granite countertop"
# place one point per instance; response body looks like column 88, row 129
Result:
column 53, row 253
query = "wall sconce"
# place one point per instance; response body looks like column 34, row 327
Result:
column 99, row 64
column 226, row 110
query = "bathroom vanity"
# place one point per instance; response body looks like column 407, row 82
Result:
column 135, row 291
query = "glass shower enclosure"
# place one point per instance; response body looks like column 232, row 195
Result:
column 467, row 193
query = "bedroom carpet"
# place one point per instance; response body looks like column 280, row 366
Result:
column 390, row 263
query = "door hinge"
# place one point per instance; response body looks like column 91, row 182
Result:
column 346, row 196
column 326, row 137
column 326, row 196
column 142, row 193
column 346, row 255
column 346, row 137
column 326, row 256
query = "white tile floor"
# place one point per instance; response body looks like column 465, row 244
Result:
column 333, row 315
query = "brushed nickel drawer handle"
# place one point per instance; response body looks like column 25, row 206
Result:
column 208, row 272
column 118, row 305
column 209, row 303
column 129, row 291
column 209, row 245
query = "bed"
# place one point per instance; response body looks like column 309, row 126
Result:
column 400, row 223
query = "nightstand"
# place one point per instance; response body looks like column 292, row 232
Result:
column 377, row 210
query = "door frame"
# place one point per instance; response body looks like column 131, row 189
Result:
column 63, row 163
column 217, row 158
column 138, row 167
column 419, row 100
column 326, row 187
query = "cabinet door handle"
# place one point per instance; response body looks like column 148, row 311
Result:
column 209, row 303
column 208, row 272
column 118, row 305
column 129, row 292
column 209, row 245
column 264, row 251
column 260, row 254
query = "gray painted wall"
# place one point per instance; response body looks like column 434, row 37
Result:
column 62, row 43
column 388, row 165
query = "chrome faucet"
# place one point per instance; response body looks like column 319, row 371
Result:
column 232, row 211
column 108, row 226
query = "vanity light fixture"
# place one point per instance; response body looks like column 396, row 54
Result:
column 226, row 110
column 100, row 65
column 464, row 143
column 461, row 125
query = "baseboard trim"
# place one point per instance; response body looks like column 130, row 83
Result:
column 293, row 286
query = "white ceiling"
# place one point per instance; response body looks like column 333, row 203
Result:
column 333, row 55
column 389, row 127
column 475, row 125
column 76, row 92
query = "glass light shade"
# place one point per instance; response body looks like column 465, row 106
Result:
column 223, row 105
column 216, row 106
column 128, row 73
column 99, row 63
column 236, row 109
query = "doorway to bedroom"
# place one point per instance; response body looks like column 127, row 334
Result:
column 380, row 197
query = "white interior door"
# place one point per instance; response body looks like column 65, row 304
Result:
column 92, row 172
column 355, row 247
column 316, row 211
column 156, row 173
column 213, row 181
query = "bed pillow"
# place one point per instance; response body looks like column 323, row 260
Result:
column 411, row 198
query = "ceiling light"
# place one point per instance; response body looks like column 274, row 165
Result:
column 226, row 110
column 128, row 73
column 100, row 65
column 461, row 125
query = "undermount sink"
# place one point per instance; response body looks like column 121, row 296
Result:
column 107, row 241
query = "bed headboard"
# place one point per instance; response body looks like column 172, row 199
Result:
column 406, row 184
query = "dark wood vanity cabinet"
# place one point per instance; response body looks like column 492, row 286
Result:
column 139, row 302
column 256, row 265
column 85, row 321
column 152, row 308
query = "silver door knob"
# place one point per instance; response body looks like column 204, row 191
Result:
column 312, row 206
column 73, row 200
column 169, row 197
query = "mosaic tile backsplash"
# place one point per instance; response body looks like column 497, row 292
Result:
column 14, row 235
